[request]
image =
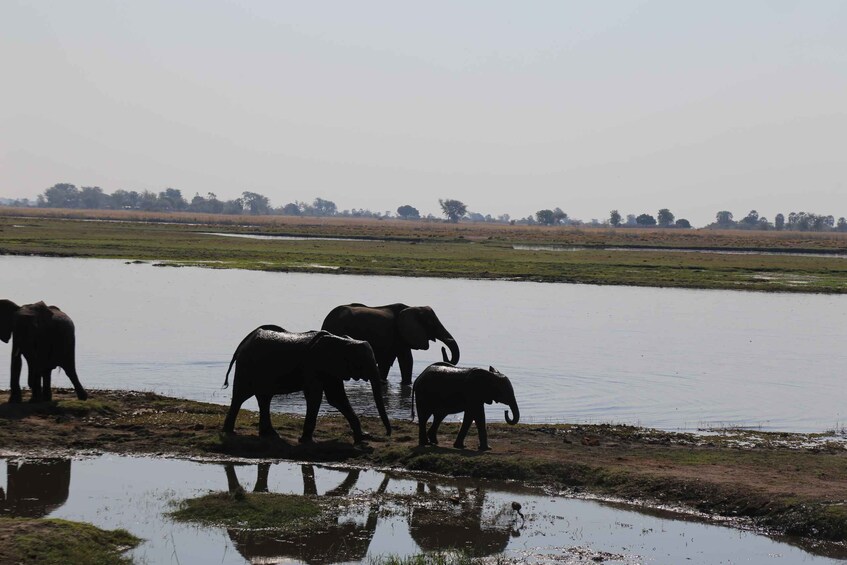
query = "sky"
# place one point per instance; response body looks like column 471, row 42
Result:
column 510, row 107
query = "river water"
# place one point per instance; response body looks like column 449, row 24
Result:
column 392, row 513
column 665, row 358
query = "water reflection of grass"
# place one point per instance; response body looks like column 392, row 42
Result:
column 252, row 511
column 440, row 250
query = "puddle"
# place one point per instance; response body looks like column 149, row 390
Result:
column 288, row 237
column 836, row 255
column 385, row 513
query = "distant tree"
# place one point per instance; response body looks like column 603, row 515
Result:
column 665, row 218
column 505, row 218
column 724, row 219
column 256, row 204
column 545, row 217
column 321, row 207
column 751, row 219
column 682, row 223
column 61, row 195
column 763, row 223
column 291, row 209
column 408, row 212
column 453, row 209
column 645, row 220
column 93, row 198
column 842, row 224
column 559, row 216
column 235, row 206
column 123, row 199
column 615, row 218
column 779, row 221
column 631, row 220
column 148, row 201
column 171, row 199
column 476, row 217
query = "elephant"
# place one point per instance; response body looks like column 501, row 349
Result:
column 393, row 331
column 44, row 336
column 271, row 360
column 458, row 524
column 343, row 540
column 443, row 389
column 34, row 489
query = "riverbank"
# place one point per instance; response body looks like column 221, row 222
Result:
column 785, row 483
column 737, row 260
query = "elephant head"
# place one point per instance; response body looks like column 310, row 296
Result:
column 348, row 358
column 494, row 386
column 8, row 310
column 418, row 325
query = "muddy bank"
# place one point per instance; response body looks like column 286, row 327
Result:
column 787, row 483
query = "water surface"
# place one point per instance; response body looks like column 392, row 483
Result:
column 665, row 358
column 392, row 513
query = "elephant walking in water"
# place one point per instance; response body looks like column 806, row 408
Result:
column 393, row 331
column 44, row 336
column 443, row 389
column 272, row 361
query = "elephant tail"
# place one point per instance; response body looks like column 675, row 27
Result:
column 243, row 343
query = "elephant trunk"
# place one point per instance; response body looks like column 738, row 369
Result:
column 515, row 412
column 448, row 340
column 376, row 387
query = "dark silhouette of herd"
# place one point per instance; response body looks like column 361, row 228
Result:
column 355, row 342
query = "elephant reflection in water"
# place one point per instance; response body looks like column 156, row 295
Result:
column 460, row 526
column 34, row 489
column 343, row 541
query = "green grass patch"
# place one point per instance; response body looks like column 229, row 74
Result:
column 251, row 511
column 59, row 542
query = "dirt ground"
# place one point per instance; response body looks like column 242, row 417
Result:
column 787, row 483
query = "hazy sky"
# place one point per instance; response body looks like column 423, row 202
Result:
column 508, row 106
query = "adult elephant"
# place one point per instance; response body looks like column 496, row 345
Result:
column 443, row 389
column 270, row 361
column 393, row 331
column 44, row 336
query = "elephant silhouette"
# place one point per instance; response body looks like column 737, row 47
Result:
column 459, row 526
column 344, row 541
column 34, row 489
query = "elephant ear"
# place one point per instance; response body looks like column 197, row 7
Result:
column 7, row 319
column 411, row 329
column 485, row 385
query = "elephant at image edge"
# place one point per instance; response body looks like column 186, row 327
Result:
column 393, row 331
column 270, row 361
column 443, row 389
column 44, row 336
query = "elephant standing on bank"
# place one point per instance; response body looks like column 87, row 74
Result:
column 393, row 331
column 44, row 336
column 443, row 389
column 272, row 361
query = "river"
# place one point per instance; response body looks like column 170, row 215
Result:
column 664, row 358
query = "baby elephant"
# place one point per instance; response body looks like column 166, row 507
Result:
column 443, row 389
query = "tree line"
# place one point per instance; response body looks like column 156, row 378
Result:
column 65, row 195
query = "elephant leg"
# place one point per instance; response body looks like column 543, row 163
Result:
column 423, row 416
column 404, row 360
column 46, row 391
column 232, row 483
column 15, row 380
column 337, row 398
column 238, row 398
column 314, row 395
column 463, row 431
column 34, row 382
column 437, row 418
column 310, row 487
column 266, row 429
column 384, row 363
column 70, row 370
column 481, row 429
column 262, row 477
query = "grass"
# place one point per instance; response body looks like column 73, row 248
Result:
column 58, row 542
column 252, row 511
column 401, row 248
